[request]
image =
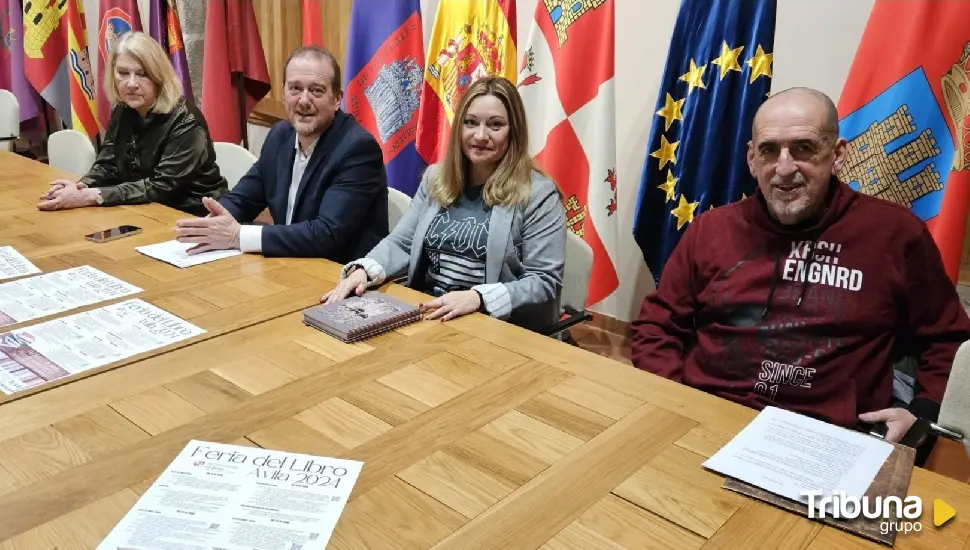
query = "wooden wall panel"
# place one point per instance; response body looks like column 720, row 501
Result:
column 279, row 24
column 336, row 27
column 280, row 30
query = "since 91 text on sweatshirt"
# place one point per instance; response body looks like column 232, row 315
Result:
column 811, row 319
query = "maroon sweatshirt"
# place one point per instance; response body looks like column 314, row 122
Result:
column 807, row 318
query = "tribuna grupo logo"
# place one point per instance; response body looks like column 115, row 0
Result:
column 894, row 513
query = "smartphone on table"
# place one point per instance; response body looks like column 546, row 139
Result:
column 113, row 234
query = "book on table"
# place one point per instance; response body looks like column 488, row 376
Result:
column 358, row 317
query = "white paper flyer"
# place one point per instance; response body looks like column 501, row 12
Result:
column 47, row 351
column 215, row 496
column 14, row 264
column 57, row 292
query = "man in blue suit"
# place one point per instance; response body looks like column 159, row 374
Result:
column 320, row 174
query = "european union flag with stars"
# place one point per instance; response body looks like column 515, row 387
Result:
column 717, row 75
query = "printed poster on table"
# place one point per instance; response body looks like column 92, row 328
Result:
column 47, row 351
column 14, row 264
column 218, row 496
column 57, row 292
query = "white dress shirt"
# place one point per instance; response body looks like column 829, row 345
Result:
column 251, row 236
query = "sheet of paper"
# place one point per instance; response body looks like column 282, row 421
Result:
column 14, row 264
column 788, row 453
column 217, row 496
column 47, row 351
column 58, row 291
column 174, row 252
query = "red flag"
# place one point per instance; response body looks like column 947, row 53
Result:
column 905, row 112
column 115, row 17
column 232, row 48
column 566, row 80
column 312, row 23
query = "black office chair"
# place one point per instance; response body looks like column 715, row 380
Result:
column 575, row 287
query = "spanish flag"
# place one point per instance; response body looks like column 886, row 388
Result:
column 470, row 39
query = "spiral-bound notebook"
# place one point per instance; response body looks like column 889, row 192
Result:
column 359, row 317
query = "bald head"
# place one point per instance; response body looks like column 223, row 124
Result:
column 809, row 101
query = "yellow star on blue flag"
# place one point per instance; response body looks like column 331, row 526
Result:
column 718, row 72
column 684, row 212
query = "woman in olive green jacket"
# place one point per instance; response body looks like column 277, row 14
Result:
column 157, row 146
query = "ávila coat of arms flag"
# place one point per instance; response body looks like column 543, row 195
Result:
column 905, row 111
column 384, row 79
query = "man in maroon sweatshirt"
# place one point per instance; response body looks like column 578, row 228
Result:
column 804, row 295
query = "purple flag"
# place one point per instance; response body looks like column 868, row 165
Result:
column 165, row 26
column 12, row 76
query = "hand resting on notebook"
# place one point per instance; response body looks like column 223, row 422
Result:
column 355, row 283
column 445, row 307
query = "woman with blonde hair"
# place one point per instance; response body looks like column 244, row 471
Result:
column 486, row 230
column 157, row 146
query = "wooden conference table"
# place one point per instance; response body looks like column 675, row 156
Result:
column 218, row 297
column 473, row 433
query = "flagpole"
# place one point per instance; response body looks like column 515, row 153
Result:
column 47, row 120
column 241, row 92
column 43, row 108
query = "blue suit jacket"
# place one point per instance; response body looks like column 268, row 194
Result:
column 340, row 211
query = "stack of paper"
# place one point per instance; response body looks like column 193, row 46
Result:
column 175, row 253
column 790, row 455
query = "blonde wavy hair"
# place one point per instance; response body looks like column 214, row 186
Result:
column 154, row 61
column 511, row 182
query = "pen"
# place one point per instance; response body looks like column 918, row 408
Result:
column 938, row 430
column 917, row 434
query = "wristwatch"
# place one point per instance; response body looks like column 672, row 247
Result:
column 98, row 197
